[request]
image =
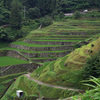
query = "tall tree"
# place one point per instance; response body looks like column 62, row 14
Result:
column 15, row 16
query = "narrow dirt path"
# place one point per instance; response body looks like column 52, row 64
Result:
column 58, row 87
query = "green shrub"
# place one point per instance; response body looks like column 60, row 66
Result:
column 54, row 13
column 61, row 15
column 93, row 93
column 34, row 13
column 92, row 66
column 3, row 34
column 76, row 15
column 46, row 21
column 94, row 14
column 24, row 31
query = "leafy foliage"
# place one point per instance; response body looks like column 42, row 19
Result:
column 95, row 91
column 46, row 21
column 3, row 34
column 92, row 66
column 77, row 14
column 34, row 13
column 4, row 14
column 92, row 94
column 15, row 16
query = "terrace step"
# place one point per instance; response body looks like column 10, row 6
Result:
column 16, row 54
column 62, row 36
column 72, row 33
column 46, row 54
column 45, row 48
column 51, row 42
column 58, row 39
column 42, row 60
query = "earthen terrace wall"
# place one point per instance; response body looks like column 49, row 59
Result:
column 17, row 68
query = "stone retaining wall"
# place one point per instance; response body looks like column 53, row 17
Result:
column 49, row 42
column 72, row 33
column 41, row 48
column 78, row 33
column 18, row 68
column 46, row 54
column 67, row 36
column 15, row 54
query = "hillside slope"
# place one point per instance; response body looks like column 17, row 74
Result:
column 62, row 70
column 65, row 72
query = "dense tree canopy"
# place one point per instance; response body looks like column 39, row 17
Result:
column 20, row 13
column 45, row 7
column 15, row 16
column 39, row 8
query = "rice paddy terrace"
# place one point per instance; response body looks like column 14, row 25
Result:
column 57, row 79
column 43, row 45
column 54, row 41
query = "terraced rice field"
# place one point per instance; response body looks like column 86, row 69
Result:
column 63, row 72
column 54, row 41
column 51, row 43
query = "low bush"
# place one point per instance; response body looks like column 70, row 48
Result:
column 92, row 67
column 34, row 13
column 92, row 94
column 46, row 21
column 76, row 15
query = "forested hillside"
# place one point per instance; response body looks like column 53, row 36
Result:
column 19, row 17
column 39, row 8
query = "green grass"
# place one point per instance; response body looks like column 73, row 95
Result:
column 7, row 61
column 34, row 45
column 43, row 58
column 72, row 36
column 66, row 27
column 32, row 88
column 39, row 70
column 65, row 71
column 27, row 51
column 11, row 76
column 15, row 49
column 5, row 81
column 60, row 40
